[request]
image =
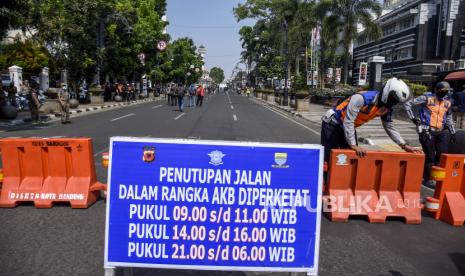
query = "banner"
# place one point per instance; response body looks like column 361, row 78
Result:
column 362, row 76
column 213, row 205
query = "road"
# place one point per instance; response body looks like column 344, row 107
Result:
column 63, row 241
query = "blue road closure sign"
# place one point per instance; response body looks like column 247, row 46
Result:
column 213, row 205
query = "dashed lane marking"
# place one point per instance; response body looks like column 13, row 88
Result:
column 180, row 116
column 235, row 117
column 122, row 117
column 157, row 106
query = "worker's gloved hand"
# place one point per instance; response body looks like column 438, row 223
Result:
column 361, row 152
column 411, row 149
column 416, row 121
column 452, row 138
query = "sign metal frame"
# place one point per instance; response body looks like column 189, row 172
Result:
column 108, row 265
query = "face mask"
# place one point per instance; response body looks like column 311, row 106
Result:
column 441, row 93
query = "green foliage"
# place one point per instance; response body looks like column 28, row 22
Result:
column 302, row 94
column 264, row 40
column 69, row 30
column 416, row 89
column 25, row 54
column 217, row 74
column 183, row 57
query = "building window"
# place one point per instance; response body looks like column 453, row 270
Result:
column 403, row 53
column 462, row 51
column 407, row 23
column 389, row 29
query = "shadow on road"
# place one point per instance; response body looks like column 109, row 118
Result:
column 459, row 260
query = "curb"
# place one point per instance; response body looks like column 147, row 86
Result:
column 49, row 117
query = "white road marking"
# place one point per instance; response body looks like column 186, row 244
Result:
column 284, row 116
column 235, row 117
column 119, row 118
column 232, row 107
column 180, row 116
column 157, row 106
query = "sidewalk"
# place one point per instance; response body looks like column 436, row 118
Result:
column 371, row 134
column 25, row 116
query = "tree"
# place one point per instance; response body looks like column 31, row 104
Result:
column 352, row 13
column 217, row 74
column 27, row 55
column 183, row 56
column 263, row 43
column 10, row 16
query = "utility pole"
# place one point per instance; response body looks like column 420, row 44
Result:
column 286, row 65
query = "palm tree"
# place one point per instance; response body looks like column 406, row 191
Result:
column 351, row 13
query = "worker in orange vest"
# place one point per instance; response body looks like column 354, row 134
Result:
column 339, row 123
column 434, row 124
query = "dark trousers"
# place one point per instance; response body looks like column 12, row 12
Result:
column 172, row 99
column 433, row 146
column 199, row 100
column 332, row 137
column 34, row 113
column 181, row 103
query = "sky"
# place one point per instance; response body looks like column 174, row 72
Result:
column 210, row 23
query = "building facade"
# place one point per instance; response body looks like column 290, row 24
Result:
column 419, row 38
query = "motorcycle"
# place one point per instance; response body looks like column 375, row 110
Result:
column 22, row 103
column 83, row 96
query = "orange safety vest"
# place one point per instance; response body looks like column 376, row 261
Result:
column 434, row 112
column 368, row 112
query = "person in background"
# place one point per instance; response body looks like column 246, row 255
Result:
column 180, row 94
column 12, row 94
column 63, row 103
column 339, row 123
column 34, row 104
column 107, row 92
column 434, row 124
column 191, row 95
column 200, row 94
column 2, row 97
column 459, row 107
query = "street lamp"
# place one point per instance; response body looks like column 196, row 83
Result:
column 101, row 39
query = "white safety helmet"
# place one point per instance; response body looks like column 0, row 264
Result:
column 396, row 90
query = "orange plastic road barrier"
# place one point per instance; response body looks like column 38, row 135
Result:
column 379, row 185
column 46, row 171
column 449, row 195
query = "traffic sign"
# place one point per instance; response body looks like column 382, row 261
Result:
column 161, row 45
column 193, row 204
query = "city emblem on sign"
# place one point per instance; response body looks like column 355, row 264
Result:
column 216, row 157
column 341, row 160
column 149, row 154
column 280, row 158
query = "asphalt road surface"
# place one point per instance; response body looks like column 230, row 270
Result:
column 63, row 241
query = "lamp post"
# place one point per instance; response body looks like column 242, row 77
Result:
column 286, row 65
column 101, row 39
